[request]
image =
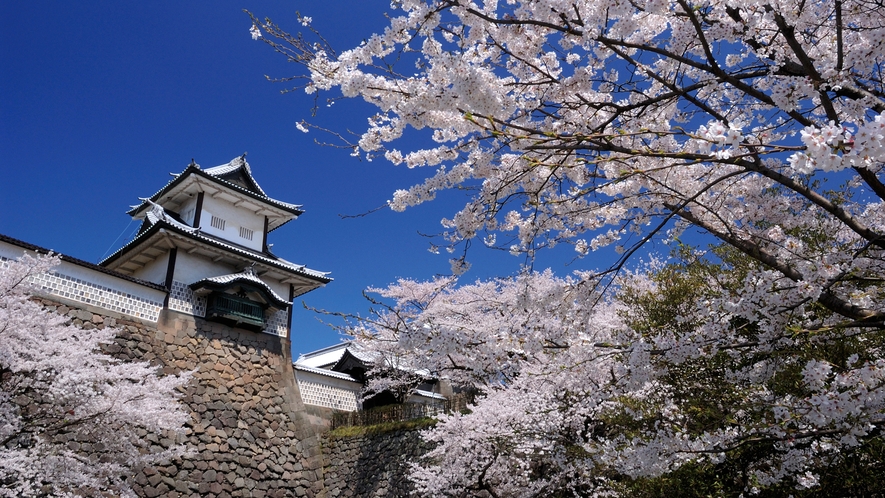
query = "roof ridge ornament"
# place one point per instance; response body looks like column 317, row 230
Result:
column 247, row 168
column 157, row 214
column 249, row 270
column 156, row 209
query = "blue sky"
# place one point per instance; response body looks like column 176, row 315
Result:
column 100, row 101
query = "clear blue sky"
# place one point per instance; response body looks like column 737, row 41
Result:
column 100, row 101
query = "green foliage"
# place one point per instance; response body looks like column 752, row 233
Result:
column 382, row 428
column 709, row 400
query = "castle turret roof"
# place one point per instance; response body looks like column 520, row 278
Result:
column 233, row 181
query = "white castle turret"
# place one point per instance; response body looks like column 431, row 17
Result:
column 204, row 237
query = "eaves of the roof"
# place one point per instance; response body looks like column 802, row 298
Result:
column 215, row 283
column 193, row 169
column 195, row 234
column 429, row 394
column 334, row 347
column 327, row 373
column 79, row 262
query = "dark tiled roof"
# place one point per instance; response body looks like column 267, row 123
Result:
column 214, row 174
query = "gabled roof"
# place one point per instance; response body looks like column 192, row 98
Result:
column 352, row 358
column 325, row 357
column 246, row 277
column 234, row 179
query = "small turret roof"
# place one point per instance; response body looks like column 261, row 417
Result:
column 235, row 177
column 246, row 276
column 237, row 169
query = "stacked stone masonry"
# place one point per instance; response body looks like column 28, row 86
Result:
column 249, row 435
column 371, row 466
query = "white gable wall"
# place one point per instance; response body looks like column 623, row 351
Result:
column 234, row 219
column 281, row 289
column 187, row 211
column 154, row 271
column 190, row 268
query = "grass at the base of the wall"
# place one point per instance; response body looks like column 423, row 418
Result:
column 382, row 428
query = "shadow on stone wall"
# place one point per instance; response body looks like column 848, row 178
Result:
column 371, row 465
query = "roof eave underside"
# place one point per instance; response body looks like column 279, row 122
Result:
column 242, row 253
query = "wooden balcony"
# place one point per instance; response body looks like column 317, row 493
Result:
column 241, row 311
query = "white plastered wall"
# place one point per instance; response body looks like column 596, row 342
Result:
column 92, row 287
column 190, row 268
column 234, row 218
column 154, row 271
column 331, row 392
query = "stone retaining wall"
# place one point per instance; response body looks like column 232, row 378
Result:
column 371, row 465
column 249, row 433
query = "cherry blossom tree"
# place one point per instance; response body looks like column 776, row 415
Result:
column 594, row 123
column 659, row 389
column 73, row 420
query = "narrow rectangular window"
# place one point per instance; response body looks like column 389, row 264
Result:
column 217, row 222
column 245, row 233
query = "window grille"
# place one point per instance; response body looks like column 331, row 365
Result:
column 240, row 310
column 217, row 222
column 245, row 233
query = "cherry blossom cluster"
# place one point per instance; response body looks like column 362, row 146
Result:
column 834, row 148
column 83, row 427
column 610, row 123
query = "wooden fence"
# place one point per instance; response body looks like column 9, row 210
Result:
column 397, row 413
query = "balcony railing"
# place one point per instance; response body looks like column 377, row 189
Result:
column 237, row 309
